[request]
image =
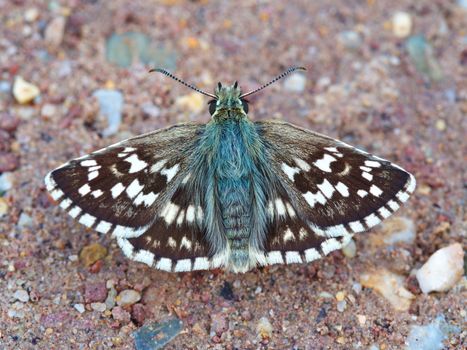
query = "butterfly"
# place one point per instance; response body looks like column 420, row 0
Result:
column 231, row 193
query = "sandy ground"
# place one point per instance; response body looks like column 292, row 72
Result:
column 361, row 87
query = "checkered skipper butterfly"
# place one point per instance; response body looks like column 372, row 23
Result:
column 231, row 193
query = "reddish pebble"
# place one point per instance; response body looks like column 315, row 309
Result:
column 96, row 267
column 138, row 313
column 95, row 292
column 8, row 122
column 219, row 323
column 5, row 141
column 8, row 162
column 120, row 314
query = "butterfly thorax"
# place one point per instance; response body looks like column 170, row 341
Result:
column 228, row 104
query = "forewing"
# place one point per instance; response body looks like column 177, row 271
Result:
column 330, row 191
column 135, row 191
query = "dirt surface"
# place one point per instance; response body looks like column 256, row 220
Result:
column 362, row 87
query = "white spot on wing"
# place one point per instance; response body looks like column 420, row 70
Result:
column 367, row 176
column 372, row 164
column 88, row 163
column 103, row 226
column 288, row 235
column 326, row 188
column 84, row 190
column 302, row 164
column 356, row 226
column 336, row 231
column 312, row 254
column 364, row 168
column 134, row 188
column 280, row 207
column 372, row 220
column 201, row 264
column 384, row 212
column 325, row 162
column 289, row 171
column 302, row 233
column 144, row 256
column 148, row 199
column 117, row 190
column 65, row 204
column 342, row 189
column 402, row 196
column 293, row 257
column 270, row 208
column 136, row 163
column 164, row 264
column 56, row 194
column 172, row 243
column 125, row 246
column 87, row 220
column 329, row 245
column 183, row 265
column 170, row 212
column 362, row 193
column 274, row 257
column 97, row 193
column 412, row 184
column 375, row 191
column 190, row 213
column 92, row 175
column 186, row 178
column 290, row 210
column 158, row 166
column 170, row 172
column 185, row 243
column 181, row 217
column 75, row 211
column 313, row 198
column 393, row 205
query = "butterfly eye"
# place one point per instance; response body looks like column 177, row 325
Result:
column 245, row 106
column 212, row 107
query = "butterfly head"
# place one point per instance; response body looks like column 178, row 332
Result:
column 228, row 102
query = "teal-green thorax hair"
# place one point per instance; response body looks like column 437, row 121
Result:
column 228, row 102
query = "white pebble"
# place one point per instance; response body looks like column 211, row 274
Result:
column 23, row 91
column 79, row 308
column 21, row 295
column 341, row 305
column 264, row 328
column 350, row 250
column 442, row 270
column 128, row 297
column 398, row 230
column 99, row 307
column 295, row 82
column 401, row 24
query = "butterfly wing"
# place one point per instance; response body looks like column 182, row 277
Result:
column 328, row 192
column 135, row 190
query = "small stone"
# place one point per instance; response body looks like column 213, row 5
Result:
column 193, row 102
column 361, row 320
column 296, row 82
column 91, row 253
column 120, row 314
column 341, row 305
column 246, row 315
column 55, row 31
column 24, row 220
column 110, row 106
column 264, row 328
column 155, row 336
column 441, row 125
column 48, row 110
column 31, row 14
column 128, row 297
column 23, row 91
column 340, row 296
column 95, row 292
column 150, row 110
column 423, row 57
column 390, row 286
column 357, row 288
column 442, row 270
column 350, row 39
column 8, row 162
column 79, row 307
column 138, row 313
column 219, row 324
column 430, row 336
column 395, row 230
column 401, row 24
column 350, row 250
column 110, row 301
column 99, row 307
column 73, row 258
column 6, row 182
column 8, row 122
column 3, row 207
column 227, row 292
column 21, row 295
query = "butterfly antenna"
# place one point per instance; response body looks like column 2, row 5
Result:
column 170, row 75
column 287, row 72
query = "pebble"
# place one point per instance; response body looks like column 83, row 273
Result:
column 390, row 286
column 442, row 270
column 23, row 91
column 3, row 207
column 120, row 314
column 361, row 320
column 55, row 31
column 31, row 14
column 21, row 295
column 422, row 55
column 296, row 82
column 128, row 297
column 264, row 328
column 110, row 106
column 219, row 324
column 91, row 253
column 8, row 122
column 350, row 250
column 8, row 162
column 6, row 182
column 155, row 336
column 341, row 305
column 110, row 301
column 462, row 3
column 151, row 110
column 138, row 313
column 441, row 124
column 95, row 292
column 401, row 24
column 79, row 307
column 24, row 220
column 430, row 336
column 48, row 110
column 99, row 307
column 227, row 292
column 350, row 39
column 193, row 102
column 395, row 230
